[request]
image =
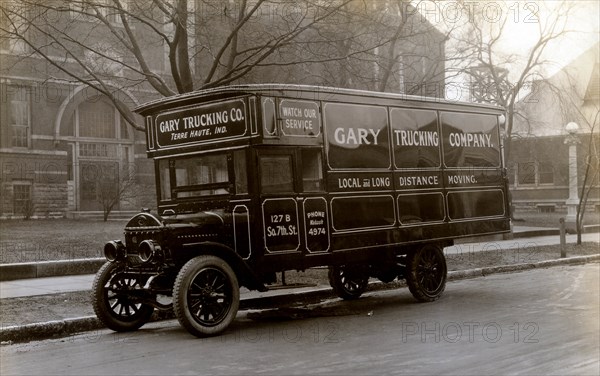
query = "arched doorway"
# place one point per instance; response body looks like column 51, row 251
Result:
column 102, row 155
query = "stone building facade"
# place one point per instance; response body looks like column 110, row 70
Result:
column 65, row 150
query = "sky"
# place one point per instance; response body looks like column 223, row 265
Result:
column 524, row 19
column 583, row 33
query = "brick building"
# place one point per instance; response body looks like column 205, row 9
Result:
column 65, row 150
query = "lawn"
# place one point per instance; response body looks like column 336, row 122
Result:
column 68, row 239
column 55, row 239
column 535, row 219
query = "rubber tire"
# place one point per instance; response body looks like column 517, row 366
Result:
column 102, row 304
column 347, row 287
column 184, row 280
column 426, row 262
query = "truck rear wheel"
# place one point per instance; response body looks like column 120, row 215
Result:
column 206, row 296
column 347, row 283
column 113, row 305
column 426, row 273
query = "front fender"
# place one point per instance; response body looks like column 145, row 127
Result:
column 244, row 273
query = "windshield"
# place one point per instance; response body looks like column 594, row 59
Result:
column 192, row 174
column 201, row 175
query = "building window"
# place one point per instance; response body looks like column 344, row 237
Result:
column 102, row 154
column 99, row 181
column 124, row 128
column 17, row 28
column 97, row 121
column 97, row 150
column 545, row 173
column 512, row 172
column 19, row 123
column 22, row 199
column 535, row 173
column 526, row 173
column 546, row 208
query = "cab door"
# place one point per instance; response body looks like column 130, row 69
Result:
column 242, row 204
column 294, row 206
column 314, row 209
column 278, row 198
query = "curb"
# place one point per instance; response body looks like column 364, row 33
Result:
column 69, row 327
column 535, row 233
column 26, row 270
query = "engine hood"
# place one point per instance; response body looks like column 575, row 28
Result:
column 210, row 217
column 143, row 221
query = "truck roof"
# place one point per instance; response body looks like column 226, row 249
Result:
column 308, row 92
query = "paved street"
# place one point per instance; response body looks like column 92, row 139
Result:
column 535, row 322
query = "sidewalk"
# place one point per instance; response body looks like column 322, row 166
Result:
column 68, row 283
column 43, row 286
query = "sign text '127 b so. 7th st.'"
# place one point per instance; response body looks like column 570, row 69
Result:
column 202, row 123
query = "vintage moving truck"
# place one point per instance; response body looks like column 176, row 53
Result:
column 257, row 179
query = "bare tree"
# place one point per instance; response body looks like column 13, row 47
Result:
column 414, row 46
column 592, row 168
column 407, row 51
column 499, row 77
column 169, row 47
column 116, row 189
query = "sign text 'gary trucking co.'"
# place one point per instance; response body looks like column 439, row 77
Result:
column 203, row 123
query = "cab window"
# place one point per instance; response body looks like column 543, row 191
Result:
column 276, row 173
column 240, row 170
column 165, row 179
column 312, row 170
column 201, row 175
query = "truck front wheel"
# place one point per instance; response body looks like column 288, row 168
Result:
column 206, row 296
column 426, row 273
column 114, row 304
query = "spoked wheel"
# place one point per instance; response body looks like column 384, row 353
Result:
column 426, row 273
column 206, row 296
column 347, row 283
column 113, row 303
